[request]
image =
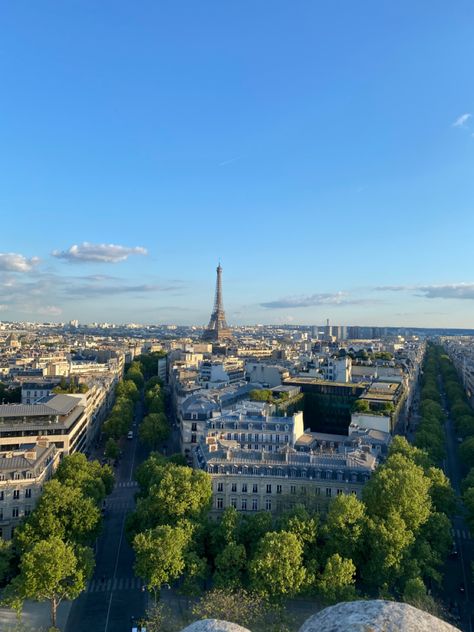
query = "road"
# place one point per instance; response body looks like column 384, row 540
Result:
column 458, row 569
column 114, row 594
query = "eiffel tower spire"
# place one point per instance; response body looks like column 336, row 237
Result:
column 217, row 330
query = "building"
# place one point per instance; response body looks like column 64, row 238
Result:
column 254, row 480
column 64, row 420
column 226, row 371
column 32, row 392
column 23, row 473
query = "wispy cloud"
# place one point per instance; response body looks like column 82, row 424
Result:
column 98, row 253
column 224, row 163
column 462, row 120
column 12, row 262
column 312, row 300
column 448, row 291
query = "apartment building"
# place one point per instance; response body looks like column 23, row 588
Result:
column 23, row 472
column 254, row 480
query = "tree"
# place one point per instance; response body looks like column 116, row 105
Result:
column 261, row 395
column 466, row 452
column 160, row 553
column 112, row 449
column 400, row 445
column 387, row 542
column 127, row 389
column 399, row 486
column 62, row 511
column 465, row 425
column 337, row 581
column 361, row 406
column 237, row 606
column 180, row 493
column 94, row 480
column 230, row 566
column 299, row 522
column 468, row 498
column 415, row 594
column 154, row 429
column 277, row 568
column 6, row 558
column 252, row 528
column 52, row 571
column 345, row 526
column 441, row 492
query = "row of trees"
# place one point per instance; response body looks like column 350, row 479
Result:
column 392, row 542
column 120, row 419
column 70, row 386
column 154, row 428
column 50, row 557
column 430, row 435
column 463, row 417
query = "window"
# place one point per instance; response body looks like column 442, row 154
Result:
column 244, row 504
column 28, row 493
column 220, row 487
column 16, row 475
column 15, row 512
column 255, row 447
column 254, row 504
column 194, row 427
column 287, row 438
column 244, row 488
column 268, row 504
column 27, row 510
column 317, row 491
column 234, row 487
column 193, row 438
column 293, row 489
column 255, row 488
column 328, row 492
column 278, row 489
column 233, row 503
column 303, row 490
column 1, row 514
column 220, row 503
column 339, row 492
column 269, row 489
column 29, row 475
column 2, row 495
column 16, row 494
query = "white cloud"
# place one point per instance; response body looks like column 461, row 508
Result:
column 462, row 120
column 99, row 253
column 50, row 310
column 11, row 262
column 449, row 290
column 337, row 298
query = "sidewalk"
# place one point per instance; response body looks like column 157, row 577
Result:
column 35, row 617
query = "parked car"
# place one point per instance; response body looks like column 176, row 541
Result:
column 130, row 434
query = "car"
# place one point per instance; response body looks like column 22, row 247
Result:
column 462, row 587
column 460, row 439
column 453, row 554
column 130, row 434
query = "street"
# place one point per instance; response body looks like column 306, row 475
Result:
column 457, row 570
column 114, row 595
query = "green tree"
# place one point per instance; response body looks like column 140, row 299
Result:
column 112, row 449
column 180, row 493
column 465, row 425
column 361, row 406
column 252, row 528
column 345, row 526
column 237, row 606
column 53, row 570
column 6, row 558
column 415, row 594
column 160, row 554
column 466, row 452
column 154, row 429
column 388, row 541
column 127, row 389
column 441, row 492
column 230, row 566
column 94, row 480
column 400, row 445
column 301, row 523
column 337, row 581
column 400, row 486
column 62, row 511
column 277, row 568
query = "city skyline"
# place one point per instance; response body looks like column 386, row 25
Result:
column 326, row 159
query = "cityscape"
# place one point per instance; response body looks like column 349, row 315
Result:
column 236, row 323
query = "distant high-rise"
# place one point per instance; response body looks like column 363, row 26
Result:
column 217, row 330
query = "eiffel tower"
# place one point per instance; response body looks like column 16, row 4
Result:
column 217, row 330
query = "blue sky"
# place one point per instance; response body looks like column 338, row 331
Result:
column 323, row 151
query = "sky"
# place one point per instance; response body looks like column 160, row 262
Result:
column 323, row 152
